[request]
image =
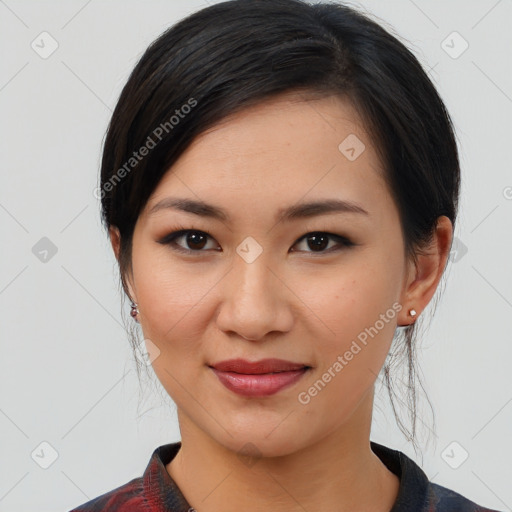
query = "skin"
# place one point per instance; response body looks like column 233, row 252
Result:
column 291, row 302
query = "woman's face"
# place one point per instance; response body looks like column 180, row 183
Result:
column 256, row 287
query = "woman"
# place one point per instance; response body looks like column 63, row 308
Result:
column 280, row 185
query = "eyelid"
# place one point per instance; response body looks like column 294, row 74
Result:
column 179, row 231
column 342, row 241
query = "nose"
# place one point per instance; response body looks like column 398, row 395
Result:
column 255, row 301
column 248, row 339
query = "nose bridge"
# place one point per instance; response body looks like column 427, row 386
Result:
column 253, row 303
column 253, row 281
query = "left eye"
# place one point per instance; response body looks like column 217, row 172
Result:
column 197, row 240
column 320, row 240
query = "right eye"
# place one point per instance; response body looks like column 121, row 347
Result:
column 194, row 239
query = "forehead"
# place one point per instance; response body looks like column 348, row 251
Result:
column 276, row 153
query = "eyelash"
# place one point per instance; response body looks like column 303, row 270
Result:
column 180, row 231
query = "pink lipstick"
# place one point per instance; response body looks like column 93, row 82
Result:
column 259, row 378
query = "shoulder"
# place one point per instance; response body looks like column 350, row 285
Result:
column 416, row 491
column 442, row 499
column 153, row 491
column 127, row 497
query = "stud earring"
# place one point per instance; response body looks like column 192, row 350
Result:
column 412, row 312
column 134, row 311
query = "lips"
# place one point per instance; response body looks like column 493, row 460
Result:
column 258, row 378
column 258, row 367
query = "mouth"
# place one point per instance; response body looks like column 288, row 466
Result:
column 259, row 378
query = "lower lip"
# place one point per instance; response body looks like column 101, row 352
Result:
column 264, row 384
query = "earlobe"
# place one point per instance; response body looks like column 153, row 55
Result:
column 427, row 271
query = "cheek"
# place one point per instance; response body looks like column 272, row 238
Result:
column 171, row 300
column 349, row 361
column 174, row 317
column 356, row 311
column 347, row 299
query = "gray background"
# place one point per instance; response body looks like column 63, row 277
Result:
column 67, row 376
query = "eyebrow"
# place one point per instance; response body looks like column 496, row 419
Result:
column 294, row 212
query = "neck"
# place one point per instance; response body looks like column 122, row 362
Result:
column 339, row 472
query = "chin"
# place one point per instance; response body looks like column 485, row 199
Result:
column 252, row 444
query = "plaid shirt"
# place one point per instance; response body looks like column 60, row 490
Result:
column 155, row 491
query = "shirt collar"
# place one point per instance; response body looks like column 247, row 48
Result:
column 160, row 490
column 414, row 484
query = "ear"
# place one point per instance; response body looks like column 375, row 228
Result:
column 424, row 276
column 115, row 240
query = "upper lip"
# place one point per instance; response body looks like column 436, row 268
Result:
column 256, row 367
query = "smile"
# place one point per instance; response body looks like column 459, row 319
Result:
column 259, row 378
